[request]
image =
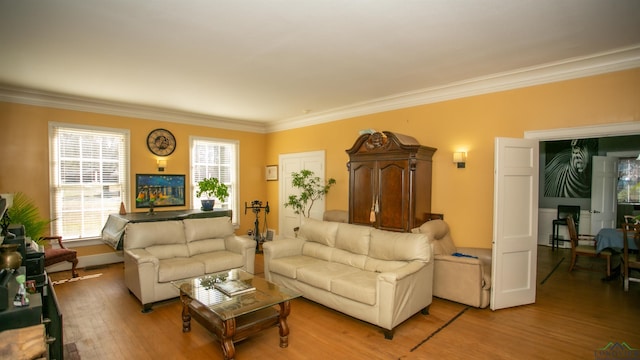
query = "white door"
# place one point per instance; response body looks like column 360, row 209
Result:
column 515, row 223
column 290, row 163
column 604, row 192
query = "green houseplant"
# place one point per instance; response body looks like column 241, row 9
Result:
column 311, row 189
column 211, row 188
column 25, row 212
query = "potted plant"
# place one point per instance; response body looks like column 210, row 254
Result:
column 25, row 212
column 211, row 188
column 311, row 189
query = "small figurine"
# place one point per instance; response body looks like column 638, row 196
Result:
column 21, row 298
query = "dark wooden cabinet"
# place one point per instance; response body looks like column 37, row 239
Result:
column 389, row 181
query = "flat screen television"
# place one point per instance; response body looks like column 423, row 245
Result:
column 159, row 190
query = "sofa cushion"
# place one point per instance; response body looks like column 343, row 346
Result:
column 348, row 258
column 142, row 235
column 177, row 268
column 353, row 238
column 205, row 246
column 219, row 261
column 319, row 231
column 207, row 228
column 288, row 266
column 321, row 273
column 388, row 245
column 380, row 266
column 168, row 251
column 359, row 286
column 318, row 251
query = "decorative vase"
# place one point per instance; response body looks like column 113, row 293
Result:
column 10, row 258
column 207, row 204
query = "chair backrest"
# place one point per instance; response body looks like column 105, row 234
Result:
column 565, row 210
column 628, row 229
column 630, row 219
column 437, row 232
column 573, row 232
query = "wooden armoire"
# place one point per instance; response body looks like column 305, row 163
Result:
column 389, row 181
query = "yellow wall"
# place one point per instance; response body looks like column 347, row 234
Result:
column 24, row 152
column 465, row 196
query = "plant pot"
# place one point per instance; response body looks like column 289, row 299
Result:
column 207, row 204
column 10, row 258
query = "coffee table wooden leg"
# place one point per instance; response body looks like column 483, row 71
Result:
column 226, row 341
column 186, row 315
column 285, row 309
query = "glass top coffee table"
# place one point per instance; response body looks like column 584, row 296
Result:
column 234, row 318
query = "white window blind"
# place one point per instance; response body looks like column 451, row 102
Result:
column 629, row 181
column 215, row 158
column 89, row 178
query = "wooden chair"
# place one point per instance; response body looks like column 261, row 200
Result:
column 564, row 211
column 579, row 248
column 56, row 255
column 630, row 261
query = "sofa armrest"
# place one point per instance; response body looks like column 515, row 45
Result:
column 401, row 273
column 279, row 249
column 282, row 248
column 238, row 244
column 483, row 254
column 245, row 247
column 141, row 256
column 404, row 292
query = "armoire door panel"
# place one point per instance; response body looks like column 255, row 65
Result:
column 393, row 200
column 362, row 192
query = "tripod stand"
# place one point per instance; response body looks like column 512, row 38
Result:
column 256, row 207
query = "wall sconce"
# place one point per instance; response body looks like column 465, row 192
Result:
column 460, row 158
column 161, row 164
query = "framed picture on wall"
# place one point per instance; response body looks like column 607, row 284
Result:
column 567, row 171
column 161, row 190
column 271, row 172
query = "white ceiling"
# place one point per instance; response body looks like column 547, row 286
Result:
column 287, row 61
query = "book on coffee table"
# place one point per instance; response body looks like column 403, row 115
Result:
column 234, row 287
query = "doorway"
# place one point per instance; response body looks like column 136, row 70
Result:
column 289, row 163
column 599, row 131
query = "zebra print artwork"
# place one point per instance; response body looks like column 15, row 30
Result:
column 567, row 171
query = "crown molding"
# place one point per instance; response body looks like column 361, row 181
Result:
column 585, row 132
column 41, row 98
column 600, row 63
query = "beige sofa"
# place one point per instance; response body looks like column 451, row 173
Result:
column 156, row 253
column 462, row 279
column 380, row 277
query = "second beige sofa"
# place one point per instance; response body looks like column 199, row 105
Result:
column 377, row 276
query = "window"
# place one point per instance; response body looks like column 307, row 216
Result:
column 629, row 181
column 89, row 178
column 215, row 158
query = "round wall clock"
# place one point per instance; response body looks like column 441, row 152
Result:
column 161, row 142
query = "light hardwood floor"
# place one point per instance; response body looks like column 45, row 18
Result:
column 574, row 315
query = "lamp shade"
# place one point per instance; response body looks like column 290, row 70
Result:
column 459, row 157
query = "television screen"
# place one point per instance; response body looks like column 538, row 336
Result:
column 159, row 190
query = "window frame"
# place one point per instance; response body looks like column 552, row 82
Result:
column 633, row 171
column 55, row 171
column 234, row 193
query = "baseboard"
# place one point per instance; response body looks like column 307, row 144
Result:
column 89, row 261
